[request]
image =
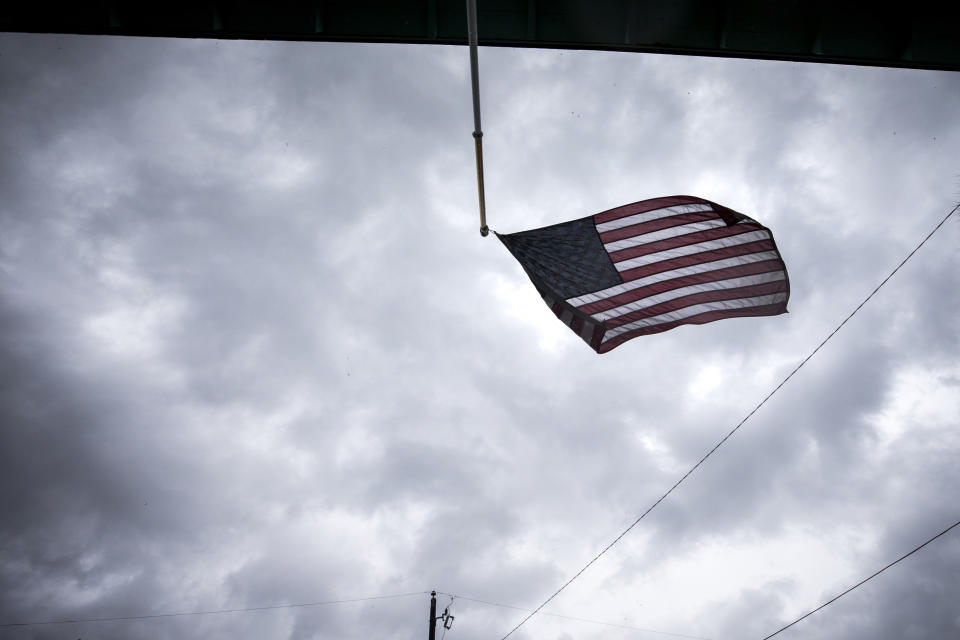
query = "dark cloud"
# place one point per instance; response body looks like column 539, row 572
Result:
column 255, row 352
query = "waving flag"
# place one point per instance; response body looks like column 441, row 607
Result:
column 651, row 266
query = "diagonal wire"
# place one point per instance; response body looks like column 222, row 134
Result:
column 203, row 613
column 736, row 428
column 835, row 598
column 587, row 620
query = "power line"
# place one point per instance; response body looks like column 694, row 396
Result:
column 736, row 428
column 587, row 620
column 203, row 613
column 835, row 598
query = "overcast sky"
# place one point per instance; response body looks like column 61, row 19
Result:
column 255, row 352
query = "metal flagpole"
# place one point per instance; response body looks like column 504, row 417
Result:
column 477, row 131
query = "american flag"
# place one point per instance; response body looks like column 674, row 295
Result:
column 651, row 266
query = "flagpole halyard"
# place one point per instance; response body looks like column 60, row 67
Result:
column 477, row 129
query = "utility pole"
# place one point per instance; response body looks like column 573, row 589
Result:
column 446, row 617
column 433, row 616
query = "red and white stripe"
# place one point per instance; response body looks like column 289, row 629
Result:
column 681, row 263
